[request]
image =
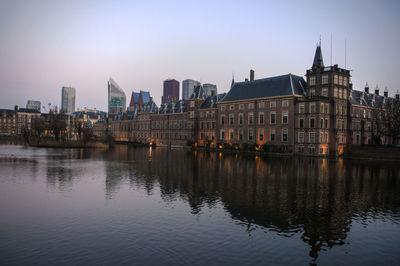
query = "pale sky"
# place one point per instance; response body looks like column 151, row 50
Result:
column 45, row 45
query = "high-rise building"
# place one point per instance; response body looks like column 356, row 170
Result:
column 116, row 98
column 34, row 105
column 210, row 89
column 68, row 99
column 187, row 88
column 171, row 91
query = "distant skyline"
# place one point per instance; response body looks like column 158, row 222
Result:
column 46, row 45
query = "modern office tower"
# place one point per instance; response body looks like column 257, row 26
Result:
column 68, row 99
column 210, row 89
column 171, row 91
column 187, row 88
column 34, row 105
column 116, row 98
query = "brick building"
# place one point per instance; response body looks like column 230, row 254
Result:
column 320, row 115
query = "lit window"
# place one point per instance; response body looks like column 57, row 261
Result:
column 312, row 81
column 325, row 79
column 325, row 91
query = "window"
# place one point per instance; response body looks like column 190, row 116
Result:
column 301, row 137
column 261, row 118
column 301, row 108
column 241, row 106
column 321, row 110
column 301, row 123
column 231, row 107
column 312, row 92
column 340, row 80
column 312, row 107
column 325, row 91
column 335, row 92
column 312, row 122
column 335, row 79
column 222, row 134
column 250, row 134
column 261, row 134
column 202, row 114
column 273, row 134
column 222, row 107
column 202, row 125
column 344, row 94
column 284, row 135
column 272, row 104
column 240, row 119
column 273, row 118
column 251, row 105
column 284, row 117
column 325, row 79
column 222, row 119
column 231, row 134
column 312, row 81
column 312, row 137
column 326, row 123
column 322, row 123
column 285, row 103
column 345, row 81
column 231, row 118
column 213, row 124
column 208, row 125
column 250, row 118
column 261, row 105
column 192, row 104
column 240, row 134
column 327, row 108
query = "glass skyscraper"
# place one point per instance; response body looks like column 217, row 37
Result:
column 116, row 98
column 68, row 100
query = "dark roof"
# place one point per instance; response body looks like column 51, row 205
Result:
column 9, row 112
column 275, row 86
column 211, row 101
column 198, row 93
column 318, row 61
column 26, row 110
column 362, row 98
column 173, row 107
column 89, row 114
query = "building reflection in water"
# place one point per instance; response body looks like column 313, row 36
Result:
column 316, row 197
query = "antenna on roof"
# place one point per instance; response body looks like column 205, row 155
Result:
column 345, row 53
column 331, row 48
column 320, row 40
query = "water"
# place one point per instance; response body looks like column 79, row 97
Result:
column 142, row 206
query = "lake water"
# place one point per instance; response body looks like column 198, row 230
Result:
column 143, row 206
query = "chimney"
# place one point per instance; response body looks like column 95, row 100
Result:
column 376, row 90
column 366, row 89
column 386, row 92
column 95, row 110
column 85, row 110
column 246, row 79
column 251, row 74
column 16, row 108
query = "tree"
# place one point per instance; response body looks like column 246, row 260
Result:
column 57, row 122
column 386, row 121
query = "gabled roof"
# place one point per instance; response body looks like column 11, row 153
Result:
column 198, row 93
column 275, row 86
column 134, row 98
column 211, row 101
column 145, row 95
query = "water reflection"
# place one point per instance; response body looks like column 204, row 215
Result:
column 314, row 196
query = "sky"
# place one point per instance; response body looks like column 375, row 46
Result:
column 45, row 45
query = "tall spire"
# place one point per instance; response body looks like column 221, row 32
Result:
column 233, row 79
column 318, row 61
